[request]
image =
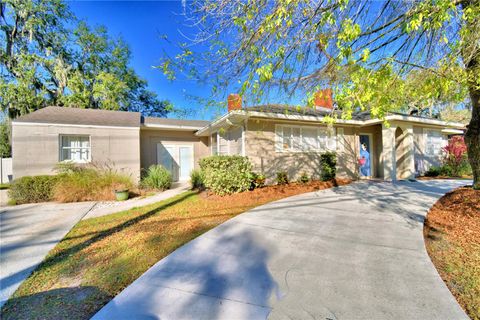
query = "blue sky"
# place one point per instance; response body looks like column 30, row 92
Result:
column 140, row 24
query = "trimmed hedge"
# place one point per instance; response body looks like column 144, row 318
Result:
column 226, row 174
column 32, row 189
column 328, row 164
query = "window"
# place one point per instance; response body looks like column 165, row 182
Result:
column 303, row 139
column 75, row 148
column 214, row 144
column 434, row 143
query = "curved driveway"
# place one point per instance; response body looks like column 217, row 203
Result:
column 354, row 252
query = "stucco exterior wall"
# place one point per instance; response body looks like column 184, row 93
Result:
column 35, row 148
column 423, row 161
column 260, row 149
column 149, row 139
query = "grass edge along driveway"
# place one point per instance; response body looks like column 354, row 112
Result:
column 101, row 256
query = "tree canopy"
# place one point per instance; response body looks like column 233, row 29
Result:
column 49, row 57
column 379, row 56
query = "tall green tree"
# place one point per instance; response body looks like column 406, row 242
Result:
column 377, row 55
column 48, row 57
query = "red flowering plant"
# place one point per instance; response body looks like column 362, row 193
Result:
column 455, row 154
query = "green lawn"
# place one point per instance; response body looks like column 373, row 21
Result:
column 4, row 186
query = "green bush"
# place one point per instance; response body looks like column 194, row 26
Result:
column 32, row 189
column 226, row 174
column 90, row 184
column 257, row 180
column 328, row 165
column 282, row 177
column 196, row 179
column 157, row 177
column 304, row 178
column 433, row 172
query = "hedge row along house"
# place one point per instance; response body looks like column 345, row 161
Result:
column 274, row 138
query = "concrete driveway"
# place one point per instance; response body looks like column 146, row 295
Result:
column 28, row 232
column 355, row 252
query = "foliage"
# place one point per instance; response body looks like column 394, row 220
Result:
column 257, row 180
column 304, row 178
column 226, row 174
column 455, row 154
column 48, row 57
column 328, row 165
column 5, row 144
column 196, row 179
column 433, row 171
column 282, row 177
column 90, row 183
column 378, row 56
column 157, row 177
column 31, row 189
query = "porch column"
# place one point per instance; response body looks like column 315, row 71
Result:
column 388, row 152
column 410, row 155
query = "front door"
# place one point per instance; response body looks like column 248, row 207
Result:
column 178, row 159
column 365, row 159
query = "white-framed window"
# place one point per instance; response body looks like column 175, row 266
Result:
column 434, row 142
column 75, row 148
column 304, row 139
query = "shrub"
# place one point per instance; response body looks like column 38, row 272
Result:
column 455, row 159
column 32, row 189
column 90, row 184
column 432, row 172
column 328, row 165
column 157, row 177
column 196, row 179
column 304, row 178
column 282, row 177
column 257, row 180
column 226, row 174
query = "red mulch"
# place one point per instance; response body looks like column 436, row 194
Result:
column 452, row 238
column 275, row 192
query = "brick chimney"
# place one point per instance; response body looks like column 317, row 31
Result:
column 323, row 99
column 234, row 102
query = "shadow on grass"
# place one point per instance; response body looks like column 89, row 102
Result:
column 10, row 309
column 45, row 305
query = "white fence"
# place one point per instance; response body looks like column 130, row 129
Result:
column 6, row 172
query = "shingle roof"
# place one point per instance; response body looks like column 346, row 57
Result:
column 292, row 110
column 175, row 122
column 318, row 112
column 78, row 116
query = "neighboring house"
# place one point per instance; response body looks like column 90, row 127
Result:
column 274, row 137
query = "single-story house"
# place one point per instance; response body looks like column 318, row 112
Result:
column 274, row 138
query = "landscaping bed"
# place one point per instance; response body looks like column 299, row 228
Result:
column 452, row 238
column 101, row 256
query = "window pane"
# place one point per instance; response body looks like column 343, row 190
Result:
column 323, row 136
column 75, row 148
column 287, row 140
column 310, row 139
column 296, row 143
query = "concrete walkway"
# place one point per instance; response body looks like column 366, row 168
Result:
column 355, row 252
column 101, row 209
column 28, row 232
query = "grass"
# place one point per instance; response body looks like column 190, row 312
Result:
column 4, row 186
column 452, row 238
column 101, row 256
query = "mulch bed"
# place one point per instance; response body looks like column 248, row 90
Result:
column 273, row 192
column 452, row 238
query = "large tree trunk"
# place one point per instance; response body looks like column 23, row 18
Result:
column 472, row 137
column 471, row 58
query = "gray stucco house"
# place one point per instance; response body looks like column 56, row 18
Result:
column 274, row 137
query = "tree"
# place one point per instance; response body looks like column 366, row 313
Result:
column 370, row 52
column 48, row 57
